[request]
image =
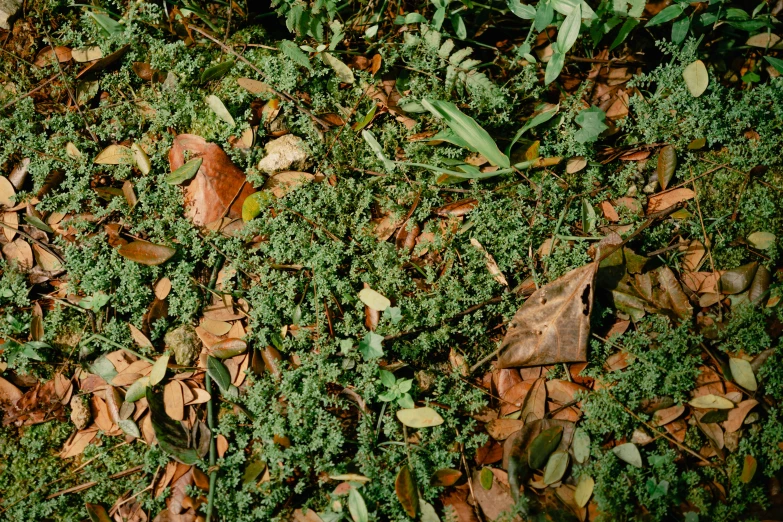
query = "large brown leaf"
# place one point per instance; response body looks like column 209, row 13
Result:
column 219, row 184
column 554, row 323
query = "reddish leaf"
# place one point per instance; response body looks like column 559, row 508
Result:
column 146, row 253
column 406, row 491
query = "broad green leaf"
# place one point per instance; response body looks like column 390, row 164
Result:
column 292, row 51
column 592, row 123
column 656, row 490
column 171, row 435
column 545, row 114
column 185, row 172
column 356, row 506
column 370, row 347
column 129, row 427
column 467, row 129
column 553, row 67
column 37, row 223
column 711, row 401
column 387, row 378
column 255, row 203
column 486, row 477
column 428, row 513
column 459, row 26
column 405, row 487
column 544, row 15
column 670, row 13
column 374, row 300
column 628, row 26
column 219, row 373
column 777, row 63
column 106, row 23
column 344, row 74
column 629, row 453
column 565, row 7
column 219, row 109
column 569, row 30
column 253, row 470
column 584, row 490
column 556, row 467
column 424, row 417
column 543, row 446
column 667, row 164
column 680, row 30
column 524, row 11
column 589, row 217
column 369, row 137
column 761, row 240
column 696, row 78
column 103, row 368
column 137, row 390
column 742, row 373
column 581, row 445
column 159, row 370
column 216, row 71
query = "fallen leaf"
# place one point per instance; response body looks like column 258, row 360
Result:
column 737, row 415
column 664, row 200
column 696, row 78
column 77, row 443
column 219, row 109
column 219, row 187
column 185, row 172
column 748, row 469
column 373, row 299
column 445, row 477
column 553, row 325
column 146, row 253
column 228, row 348
column 114, row 155
column 742, row 373
column 711, row 401
column 405, row 487
column 667, row 415
column 575, row 164
column 667, row 163
column 629, row 453
column 45, row 260
column 424, row 417
column 534, row 406
column 500, row 429
column 495, row 501
column 20, row 252
column 737, row 280
column 584, row 490
column 171, row 435
column 87, row 54
column 543, row 446
column 9, row 393
column 254, row 86
column 581, row 445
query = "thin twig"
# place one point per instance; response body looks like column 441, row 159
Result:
column 87, row 485
column 28, row 93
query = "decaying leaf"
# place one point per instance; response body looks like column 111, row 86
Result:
column 407, row 494
column 629, row 453
column 219, row 187
column 553, row 325
column 424, row 417
column 146, row 253
column 711, row 401
column 667, row 163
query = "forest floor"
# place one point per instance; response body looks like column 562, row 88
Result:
column 445, row 261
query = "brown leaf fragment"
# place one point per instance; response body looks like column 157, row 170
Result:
column 219, row 187
column 457, row 209
column 146, row 253
column 553, row 325
column 534, row 406
column 501, row 429
column 493, row 502
column 667, row 415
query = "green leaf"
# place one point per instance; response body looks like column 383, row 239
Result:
column 761, row 240
column 404, row 385
column 554, row 67
column 103, row 368
column 370, row 347
column 292, row 51
column 629, row 453
column 544, row 15
column 137, row 390
column 405, row 401
column 393, row 314
column 542, row 117
column 486, row 477
column 628, row 26
column 556, row 467
column 158, row 370
column 129, row 427
column 524, row 11
column 95, row 302
column 670, row 13
column 217, row 106
column 467, row 129
column 680, row 30
column 742, row 373
column 172, row 436
column 711, row 401
column 696, row 78
column 405, row 487
column 219, row 373
column 344, row 74
column 581, row 445
column 37, row 223
column 589, row 217
column 356, row 506
column 185, row 172
column 369, row 137
column 569, row 30
column 255, row 203
column 592, row 122
column 107, row 24
column 428, row 513
column 387, row 378
column 777, row 63
column 657, row 490
column 543, row 446
column 216, row 71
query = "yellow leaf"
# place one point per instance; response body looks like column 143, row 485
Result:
column 374, row 300
column 711, row 401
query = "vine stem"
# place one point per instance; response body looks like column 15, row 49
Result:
column 212, row 450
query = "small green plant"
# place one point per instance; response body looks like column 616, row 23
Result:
column 396, row 390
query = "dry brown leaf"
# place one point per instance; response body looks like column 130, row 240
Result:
column 216, row 328
column 9, row 393
column 534, row 406
column 12, row 220
column 162, row 288
column 165, row 479
column 7, row 192
column 45, row 260
column 20, row 252
column 174, row 401
column 553, row 325
column 562, row 391
column 284, row 182
column 501, row 429
column 77, row 442
column 664, row 200
column 455, row 502
column 694, row 255
column 667, row 415
column 219, row 187
column 179, row 491
column 139, row 338
column 495, row 501
column 515, row 397
column 609, row 212
column 222, row 445
column 100, row 414
column 737, row 415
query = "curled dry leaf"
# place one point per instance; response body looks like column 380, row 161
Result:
column 492, row 266
column 146, row 253
column 553, row 325
column 219, row 187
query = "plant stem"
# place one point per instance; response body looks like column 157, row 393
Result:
column 212, row 450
